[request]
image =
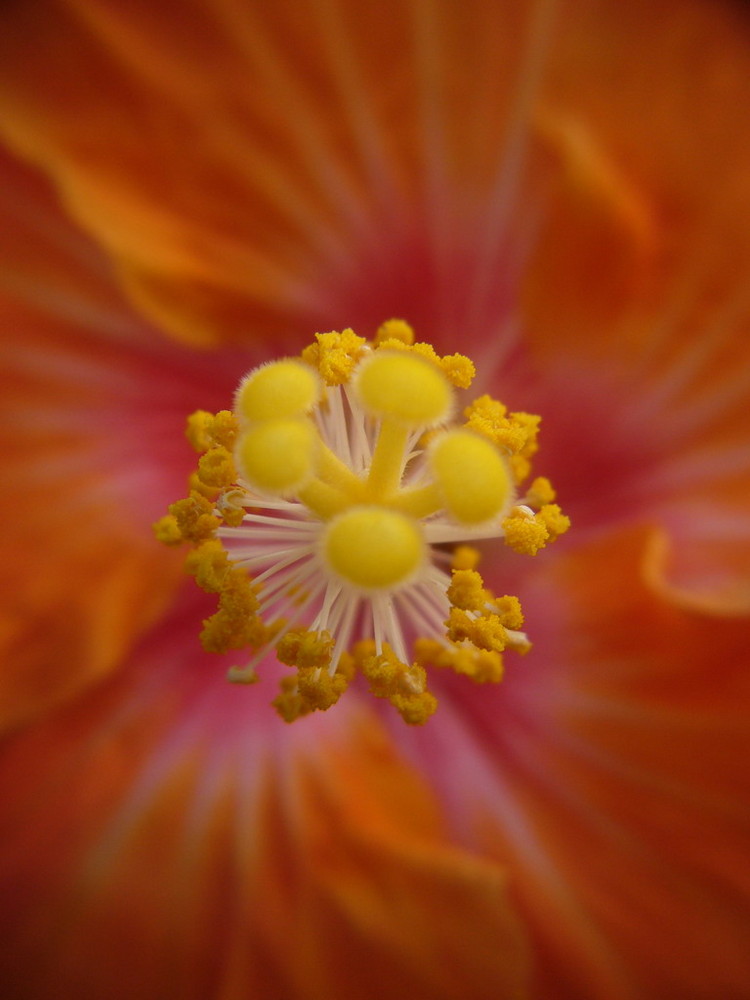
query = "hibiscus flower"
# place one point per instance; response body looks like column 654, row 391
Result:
column 560, row 191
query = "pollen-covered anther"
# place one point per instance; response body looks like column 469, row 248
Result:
column 465, row 557
column 167, row 530
column 277, row 457
column 457, row 368
column 483, row 666
column 205, row 430
column 508, row 610
column 195, row 518
column 209, row 564
column 404, row 686
column 554, row 520
column 236, row 623
column 305, row 649
column 516, row 433
column 310, row 690
column 397, row 330
column 280, row 389
column 483, row 631
column 216, row 468
column 540, row 492
column 335, row 355
column 527, row 532
column 466, row 591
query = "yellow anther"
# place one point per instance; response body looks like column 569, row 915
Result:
column 206, row 429
column 304, row 649
column 459, row 370
column 402, row 387
column 335, row 355
column 278, row 390
column 465, row 557
column 485, row 632
column 484, row 666
column 290, row 704
column 554, row 520
column 277, row 457
column 382, row 671
column 167, row 530
column 310, row 690
column 509, row 612
column 195, row 517
column 394, row 330
column 223, row 430
column 209, row 565
column 197, row 485
column 373, row 548
column 197, row 430
column 236, row 623
column 216, row 468
column 318, row 690
column 472, row 476
column 540, row 492
column 520, row 467
column 529, row 424
column 414, row 709
column 515, row 432
column 525, row 534
column 403, row 686
column 467, row 591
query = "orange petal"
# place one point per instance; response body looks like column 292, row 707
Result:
column 92, row 445
column 170, row 819
column 648, row 207
column 611, row 775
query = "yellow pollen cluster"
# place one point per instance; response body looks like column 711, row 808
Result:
column 324, row 510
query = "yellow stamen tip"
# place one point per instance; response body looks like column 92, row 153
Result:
column 216, row 468
column 279, row 390
column 525, row 534
column 373, row 547
column 277, row 457
column 474, row 479
column 167, row 530
column 465, row 557
column 402, row 386
column 335, row 355
column 305, row 649
column 394, row 329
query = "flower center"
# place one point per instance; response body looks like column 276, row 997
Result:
column 324, row 508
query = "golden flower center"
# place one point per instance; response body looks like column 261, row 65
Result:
column 331, row 510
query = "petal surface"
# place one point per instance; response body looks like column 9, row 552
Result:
column 92, row 408
column 610, row 772
column 168, row 818
column 349, row 162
